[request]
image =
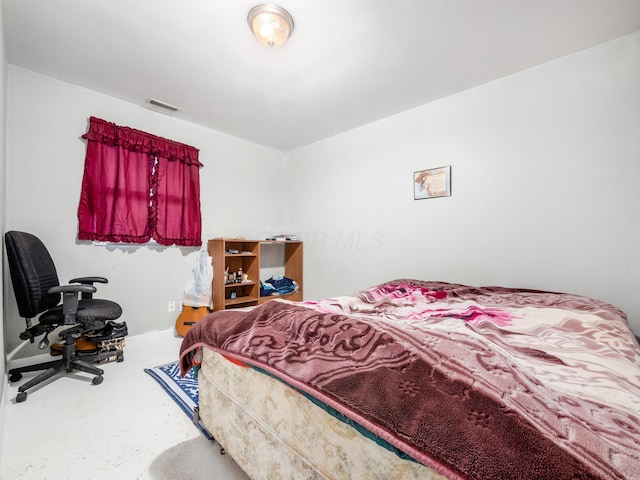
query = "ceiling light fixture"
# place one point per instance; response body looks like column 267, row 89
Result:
column 271, row 24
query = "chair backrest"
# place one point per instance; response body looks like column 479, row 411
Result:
column 33, row 273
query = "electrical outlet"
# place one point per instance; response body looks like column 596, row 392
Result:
column 171, row 307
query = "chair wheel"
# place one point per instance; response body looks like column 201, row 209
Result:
column 97, row 380
column 21, row 397
column 14, row 377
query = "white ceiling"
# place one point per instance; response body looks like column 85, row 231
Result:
column 348, row 62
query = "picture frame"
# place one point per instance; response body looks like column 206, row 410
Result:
column 432, row 183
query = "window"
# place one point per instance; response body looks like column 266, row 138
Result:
column 137, row 186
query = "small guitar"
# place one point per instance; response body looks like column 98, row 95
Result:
column 189, row 317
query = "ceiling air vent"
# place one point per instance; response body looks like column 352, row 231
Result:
column 163, row 105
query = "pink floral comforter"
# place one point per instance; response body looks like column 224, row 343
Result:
column 475, row 382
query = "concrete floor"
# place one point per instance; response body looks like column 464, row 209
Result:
column 126, row 428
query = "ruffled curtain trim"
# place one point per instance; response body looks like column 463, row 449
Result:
column 114, row 238
column 135, row 140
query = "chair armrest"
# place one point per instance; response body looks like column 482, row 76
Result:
column 88, row 281
column 73, row 288
column 70, row 299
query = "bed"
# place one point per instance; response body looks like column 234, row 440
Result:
column 430, row 380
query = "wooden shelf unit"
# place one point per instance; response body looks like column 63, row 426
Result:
column 248, row 294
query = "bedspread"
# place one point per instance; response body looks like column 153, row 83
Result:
column 475, row 382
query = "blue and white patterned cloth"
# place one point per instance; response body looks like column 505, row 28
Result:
column 183, row 390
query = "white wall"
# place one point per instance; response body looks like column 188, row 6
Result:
column 3, row 177
column 545, row 171
column 46, row 119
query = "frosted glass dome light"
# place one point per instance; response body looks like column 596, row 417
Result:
column 271, row 24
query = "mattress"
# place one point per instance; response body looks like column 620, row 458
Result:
column 273, row 432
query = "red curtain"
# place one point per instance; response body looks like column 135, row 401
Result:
column 137, row 186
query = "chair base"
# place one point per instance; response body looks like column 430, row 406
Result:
column 70, row 362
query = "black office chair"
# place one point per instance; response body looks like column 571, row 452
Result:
column 37, row 290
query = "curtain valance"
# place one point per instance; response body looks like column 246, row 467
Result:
column 109, row 133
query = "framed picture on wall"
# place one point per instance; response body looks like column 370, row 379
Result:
column 432, row 183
